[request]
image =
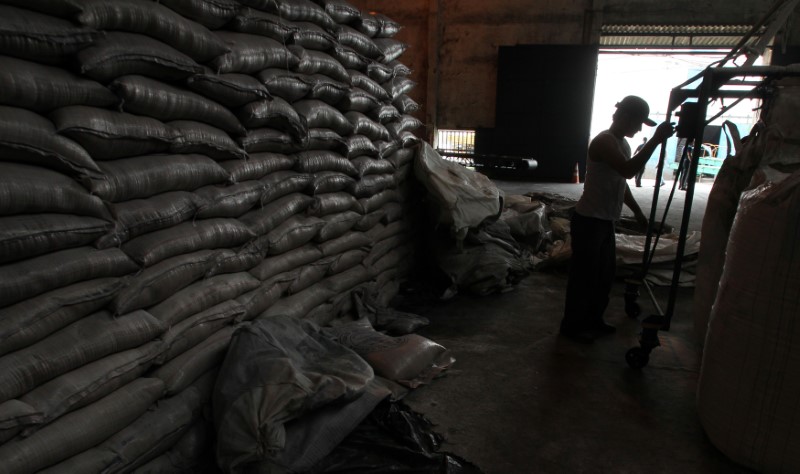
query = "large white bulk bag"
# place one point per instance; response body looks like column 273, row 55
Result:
column 750, row 378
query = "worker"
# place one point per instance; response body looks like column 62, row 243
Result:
column 592, row 266
column 640, row 173
column 686, row 163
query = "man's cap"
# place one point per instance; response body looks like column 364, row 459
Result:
column 637, row 108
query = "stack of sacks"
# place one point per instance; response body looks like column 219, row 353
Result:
column 169, row 171
column 75, row 348
column 331, row 114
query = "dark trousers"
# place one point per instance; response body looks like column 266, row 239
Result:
column 638, row 178
column 591, row 273
column 685, row 173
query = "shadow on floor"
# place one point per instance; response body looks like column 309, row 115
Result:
column 521, row 399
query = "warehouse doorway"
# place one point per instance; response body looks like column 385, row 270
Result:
column 652, row 75
column 649, row 61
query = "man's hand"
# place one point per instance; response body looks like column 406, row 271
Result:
column 658, row 228
column 663, row 131
column 642, row 220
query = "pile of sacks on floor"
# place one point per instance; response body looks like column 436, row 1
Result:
column 541, row 223
column 465, row 240
column 171, row 171
column 483, row 241
column 290, row 392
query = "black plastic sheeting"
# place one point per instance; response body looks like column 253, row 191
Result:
column 393, row 439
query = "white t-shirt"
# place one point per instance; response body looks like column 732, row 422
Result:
column 604, row 188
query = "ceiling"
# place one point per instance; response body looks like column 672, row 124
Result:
column 673, row 36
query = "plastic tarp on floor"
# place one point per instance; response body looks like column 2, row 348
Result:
column 277, row 370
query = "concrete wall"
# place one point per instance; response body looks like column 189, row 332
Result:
column 454, row 42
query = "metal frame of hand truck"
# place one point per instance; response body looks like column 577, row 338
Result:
column 718, row 82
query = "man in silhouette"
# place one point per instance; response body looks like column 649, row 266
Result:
column 639, row 174
column 685, row 165
column 593, row 262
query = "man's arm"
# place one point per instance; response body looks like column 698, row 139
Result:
column 634, row 206
column 604, row 148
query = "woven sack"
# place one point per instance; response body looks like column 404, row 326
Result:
column 34, row 276
column 288, row 85
column 119, row 53
column 212, row 14
column 149, row 175
column 29, row 138
column 363, row 125
column 33, row 319
column 41, row 38
column 42, row 88
column 257, row 166
column 153, row 20
column 203, row 294
column 149, row 435
column 252, row 53
column 148, row 97
column 81, row 429
column 162, row 280
column 107, row 134
column 230, row 90
column 89, row 383
column 204, row 139
column 287, row 261
column 229, row 201
column 318, row 114
column 28, row 189
column 319, row 160
column 750, row 374
column 30, row 235
column 83, row 341
column 187, row 237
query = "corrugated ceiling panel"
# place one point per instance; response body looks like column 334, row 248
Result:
column 674, row 36
column 727, row 30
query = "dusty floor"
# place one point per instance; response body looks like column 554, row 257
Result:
column 521, row 399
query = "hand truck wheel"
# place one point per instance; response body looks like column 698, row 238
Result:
column 637, row 357
column 632, row 309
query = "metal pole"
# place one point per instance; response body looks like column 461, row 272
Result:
column 651, row 222
column 702, row 102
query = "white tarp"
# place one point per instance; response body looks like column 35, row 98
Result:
column 463, row 198
column 630, row 248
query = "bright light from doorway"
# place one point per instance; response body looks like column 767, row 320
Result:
column 652, row 77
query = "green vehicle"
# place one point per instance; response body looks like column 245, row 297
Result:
column 709, row 162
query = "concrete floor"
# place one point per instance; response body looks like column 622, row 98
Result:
column 521, row 399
